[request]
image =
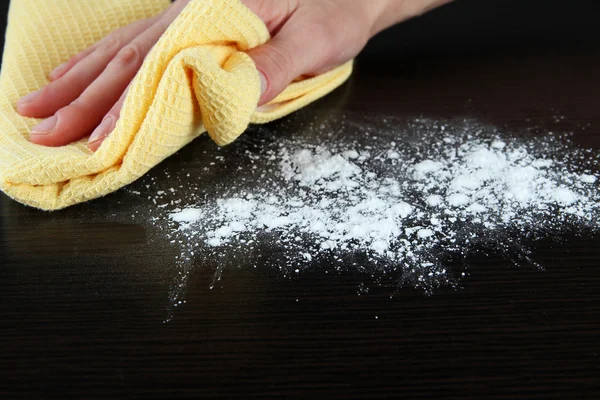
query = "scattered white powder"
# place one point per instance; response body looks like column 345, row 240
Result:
column 458, row 199
column 427, row 166
column 564, row 196
column 187, row 215
column 588, row 178
column 405, row 200
column 434, row 200
column 425, row 233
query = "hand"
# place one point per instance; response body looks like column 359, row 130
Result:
column 309, row 37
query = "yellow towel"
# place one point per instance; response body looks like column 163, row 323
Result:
column 197, row 78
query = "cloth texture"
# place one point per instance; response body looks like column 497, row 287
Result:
column 197, row 78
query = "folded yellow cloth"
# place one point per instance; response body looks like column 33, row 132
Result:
column 196, row 79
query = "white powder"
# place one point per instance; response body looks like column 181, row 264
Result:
column 394, row 205
column 588, row 178
column 434, row 200
column 564, row 195
column 425, row 233
column 458, row 199
column 187, row 215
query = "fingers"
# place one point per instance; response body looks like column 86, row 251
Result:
column 65, row 90
column 125, row 34
column 107, row 125
column 307, row 44
column 73, row 77
column 280, row 61
column 89, row 90
column 109, row 121
column 274, row 13
column 62, row 69
column 82, row 115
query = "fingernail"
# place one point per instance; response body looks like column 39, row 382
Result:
column 103, row 130
column 57, row 71
column 45, row 127
column 30, row 97
column 263, row 83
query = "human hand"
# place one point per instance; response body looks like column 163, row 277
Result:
column 309, row 37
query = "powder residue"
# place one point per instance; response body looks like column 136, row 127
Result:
column 400, row 206
column 395, row 199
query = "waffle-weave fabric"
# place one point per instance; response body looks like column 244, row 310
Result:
column 197, row 78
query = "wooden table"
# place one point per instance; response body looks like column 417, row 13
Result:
column 82, row 302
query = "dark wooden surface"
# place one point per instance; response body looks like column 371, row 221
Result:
column 82, row 302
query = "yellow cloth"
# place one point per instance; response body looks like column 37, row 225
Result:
column 197, row 78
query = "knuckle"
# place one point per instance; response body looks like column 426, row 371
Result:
column 80, row 104
column 76, row 58
column 127, row 56
column 51, row 92
column 110, row 44
column 66, row 113
column 47, row 91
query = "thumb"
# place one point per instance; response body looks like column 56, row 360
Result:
column 280, row 61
